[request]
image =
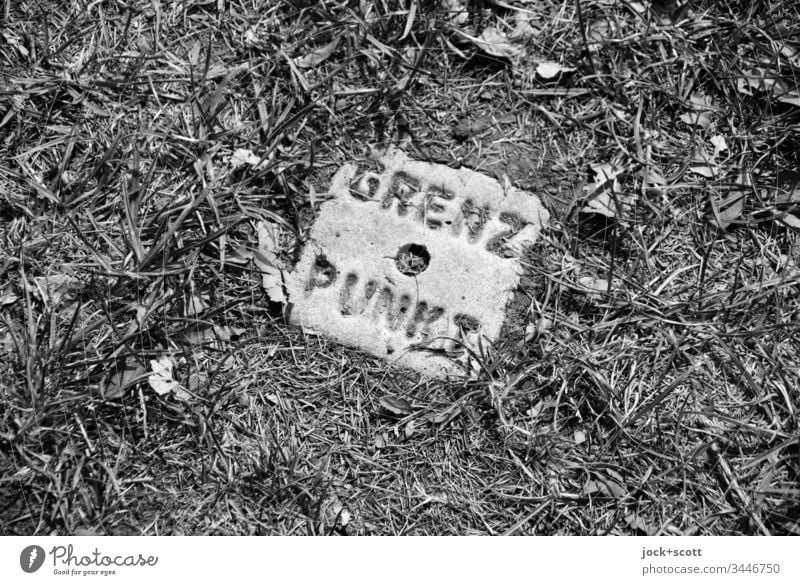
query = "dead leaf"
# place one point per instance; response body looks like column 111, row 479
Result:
column 467, row 128
column 251, row 37
column 196, row 305
column 594, row 288
column 456, row 10
column 161, row 377
column 600, row 30
column 8, row 298
column 161, row 380
column 790, row 220
column 728, row 210
column 317, row 56
column 789, row 97
column 335, row 514
column 494, row 43
column 768, row 81
column 788, row 186
column 197, row 381
column 699, row 115
column 226, row 332
column 603, row 174
column 704, row 164
column 267, row 261
column 654, row 178
column 700, row 102
column 635, row 522
column 602, row 204
column 396, row 405
column 605, row 182
column 701, row 119
column 244, row 156
column 605, row 486
column 720, row 145
column 53, row 287
column 580, row 437
column 550, row 69
column 123, row 377
column 792, row 53
column 522, row 26
column 198, row 336
column 446, row 415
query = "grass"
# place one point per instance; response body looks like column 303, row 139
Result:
column 647, row 380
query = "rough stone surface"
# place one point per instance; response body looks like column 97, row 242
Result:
column 348, row 284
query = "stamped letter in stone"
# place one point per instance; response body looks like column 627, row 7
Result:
column 414, row 263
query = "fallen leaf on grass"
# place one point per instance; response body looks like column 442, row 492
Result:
column 446, row 415
column 756, row 79
column 600, row 30
column 226, row 332
column 720, row 145
column 196, row 305
column 699, row 115
column 466, row 128
column 769, row 82
column 653, row 179
column 8, row 298
column 395, row 405
column 335, row 514
column 635, row 522
column 788, row 198
column 700, row 102
column 594, row 288
column 124, row 376
column 604, row 175
column 704, row 164
column 494, row 43
column 266, row 259
column 523, row 29
column 533, row 330
column 53, row 287
column 728, row 210
column 598, row 191
column 456, row 11
column 160, row 378
column 606, row 486
column 701, row 119
column 788, row 96
column 602, row 204
column 317, row 56
column 790, row 219
column 244, row 156
column 199, row 336
column 550, row 69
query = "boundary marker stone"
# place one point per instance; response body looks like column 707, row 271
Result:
column 414, row 264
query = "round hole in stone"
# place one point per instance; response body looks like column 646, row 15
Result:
column 412, row 259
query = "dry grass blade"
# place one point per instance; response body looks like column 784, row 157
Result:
column 646, row 381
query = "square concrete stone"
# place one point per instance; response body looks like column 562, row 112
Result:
column 415, row 263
